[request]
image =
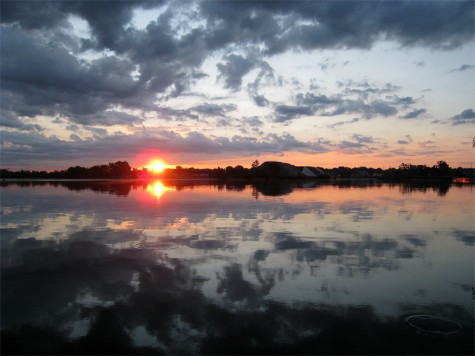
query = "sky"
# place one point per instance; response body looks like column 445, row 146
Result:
column 217, row 83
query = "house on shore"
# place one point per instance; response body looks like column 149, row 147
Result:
column 311, row 172
column 273, row 169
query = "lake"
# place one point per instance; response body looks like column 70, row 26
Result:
column 158, row 267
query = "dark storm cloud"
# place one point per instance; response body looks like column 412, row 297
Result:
column 118, row 73
column 49, row 14
column 107, row 19
column 41, row 74
column 45, row 79
column 338, row 24
column 10, row 120
column 33, row 14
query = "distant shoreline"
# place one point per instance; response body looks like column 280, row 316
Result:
column 121, row 170
column 228, row 179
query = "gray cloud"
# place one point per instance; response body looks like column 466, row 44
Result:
column 39, row 80
column 209, row 109
column 379, row 107
column 364, row 89
column 368, row 110
column 463, row 68
column 340, row 123
column 107, row 30
column 358, row 144
column 45, row 78
column 404, row 101
column 234, row 69
column 49, row 70
column 108, row 118
column 237, row 66
column 120, row 146
column 362, row 98
column 266, row 74
column 312, row 99
column 465, row 117
column 339, row 24
column 351, row 145
column 406, row 141
column 362, row 139
column 314, row 24
column 260, row 100
column 288, row 112
column 253, row 121
column 13, row 122
column 414, row 114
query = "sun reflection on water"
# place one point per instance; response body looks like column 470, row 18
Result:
column 157, row 189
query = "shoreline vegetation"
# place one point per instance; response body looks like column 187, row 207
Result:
column 267, row 170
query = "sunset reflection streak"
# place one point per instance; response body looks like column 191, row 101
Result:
column 157, row 189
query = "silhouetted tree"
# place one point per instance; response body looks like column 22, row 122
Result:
column 442, row 165
column 120, row 169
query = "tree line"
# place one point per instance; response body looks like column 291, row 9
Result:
column 122, row 170
column 405, row 171
column 116, row 170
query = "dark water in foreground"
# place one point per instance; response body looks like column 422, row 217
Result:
column 282, row 268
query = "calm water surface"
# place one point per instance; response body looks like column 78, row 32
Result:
column 292, row 268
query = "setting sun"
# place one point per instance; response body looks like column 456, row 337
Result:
column 156, row 166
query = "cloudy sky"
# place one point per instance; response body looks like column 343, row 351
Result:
column 216, row 83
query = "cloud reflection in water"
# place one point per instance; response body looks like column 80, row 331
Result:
column 212, row 269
